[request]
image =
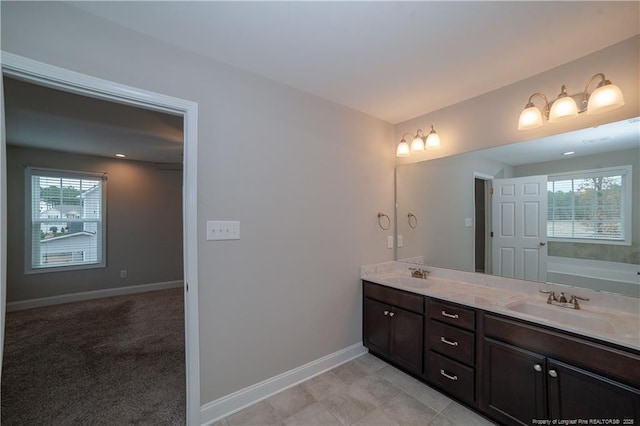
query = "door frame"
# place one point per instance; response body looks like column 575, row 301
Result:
column 70, row 81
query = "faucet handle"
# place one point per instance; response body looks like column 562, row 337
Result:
column 574, row 301
column 552, row 296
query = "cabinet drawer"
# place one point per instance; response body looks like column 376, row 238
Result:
column 399, row 298
column 452, row 314
column 451, row 341
column 451, row 376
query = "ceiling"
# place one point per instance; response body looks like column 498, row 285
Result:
column 44, row 118
column 392, row 60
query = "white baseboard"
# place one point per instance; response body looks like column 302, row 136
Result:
column 87, row 295
column 215, row 410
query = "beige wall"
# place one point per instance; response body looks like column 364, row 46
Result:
column 304, row 176
column 441, row 195
column 144, row 225
column 492, row 119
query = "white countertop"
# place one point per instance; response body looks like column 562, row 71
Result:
column 608, row 317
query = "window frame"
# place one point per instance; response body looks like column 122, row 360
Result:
column 28, row 217
column 626, row 171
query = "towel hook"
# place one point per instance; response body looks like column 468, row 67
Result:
column 413, row 224
column 380, row 221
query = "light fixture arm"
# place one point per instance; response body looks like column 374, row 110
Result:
column 407, row 133
column 545, row 110
column 603, row 82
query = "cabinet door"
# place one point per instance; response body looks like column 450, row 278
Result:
column 376, row 326
column 406, row 338
column 578, row 394
column 514, row 384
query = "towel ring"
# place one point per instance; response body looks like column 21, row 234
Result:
column 413, row 224
column 380, row 221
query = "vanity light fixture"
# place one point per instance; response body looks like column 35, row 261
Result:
column 419, row 143
column 606, row 97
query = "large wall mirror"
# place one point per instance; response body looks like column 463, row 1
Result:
column 563, row 209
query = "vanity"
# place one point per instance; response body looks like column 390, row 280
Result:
column 495, row 345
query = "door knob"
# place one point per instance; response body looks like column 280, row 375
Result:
column 542, row 243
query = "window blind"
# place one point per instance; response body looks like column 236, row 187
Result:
column 588, row 205
column 67, row 214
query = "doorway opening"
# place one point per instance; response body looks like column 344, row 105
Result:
column 482, row 223
column 24, row 69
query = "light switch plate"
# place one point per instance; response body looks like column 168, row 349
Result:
column 390, row 242
column 468, row 222
column 218, row 230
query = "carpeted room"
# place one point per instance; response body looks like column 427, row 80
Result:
column 83, row 343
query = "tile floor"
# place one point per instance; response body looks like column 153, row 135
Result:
column 364, row 391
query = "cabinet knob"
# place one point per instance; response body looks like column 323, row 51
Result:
column 386, row 312
column 391, row 314
column 537, row 367
column 553, row 373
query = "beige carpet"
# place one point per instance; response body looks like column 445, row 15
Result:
column 112, row 361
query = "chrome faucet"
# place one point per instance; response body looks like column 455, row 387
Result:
column 419, row 273
column 561, row 300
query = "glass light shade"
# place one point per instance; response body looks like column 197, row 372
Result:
column 605, row 98
column 403, row 149
column 417, row 145
column 433, row 140
column 562, row 109
column 530, row 118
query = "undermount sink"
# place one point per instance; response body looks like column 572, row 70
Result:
column 571, row 317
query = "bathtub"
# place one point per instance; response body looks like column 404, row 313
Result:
column 613, row 277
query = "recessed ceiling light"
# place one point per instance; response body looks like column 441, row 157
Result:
column 120, row 155
column 568, row 153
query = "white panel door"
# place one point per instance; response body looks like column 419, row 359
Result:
column 519, row 226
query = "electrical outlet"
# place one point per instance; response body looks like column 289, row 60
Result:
column 390, row 242
column 400, row 242
column 124, row 273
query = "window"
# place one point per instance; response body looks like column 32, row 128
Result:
column 65, row 220
column 591, row 205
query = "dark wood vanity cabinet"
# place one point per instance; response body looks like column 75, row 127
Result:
column 523, row 377
column 450, row 348
column 510, row 370
column 393, row 322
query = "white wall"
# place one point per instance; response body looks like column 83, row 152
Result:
column 143, row 220
column 304, row 176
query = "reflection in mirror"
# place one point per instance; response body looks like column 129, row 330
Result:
column 565, row 209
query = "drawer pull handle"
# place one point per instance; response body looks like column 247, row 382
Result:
column 454, row 316
column 386, row 312
column 553, row 373
column 444, row 373
column 537, row 367
column 448, row 342
column 391, row 314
